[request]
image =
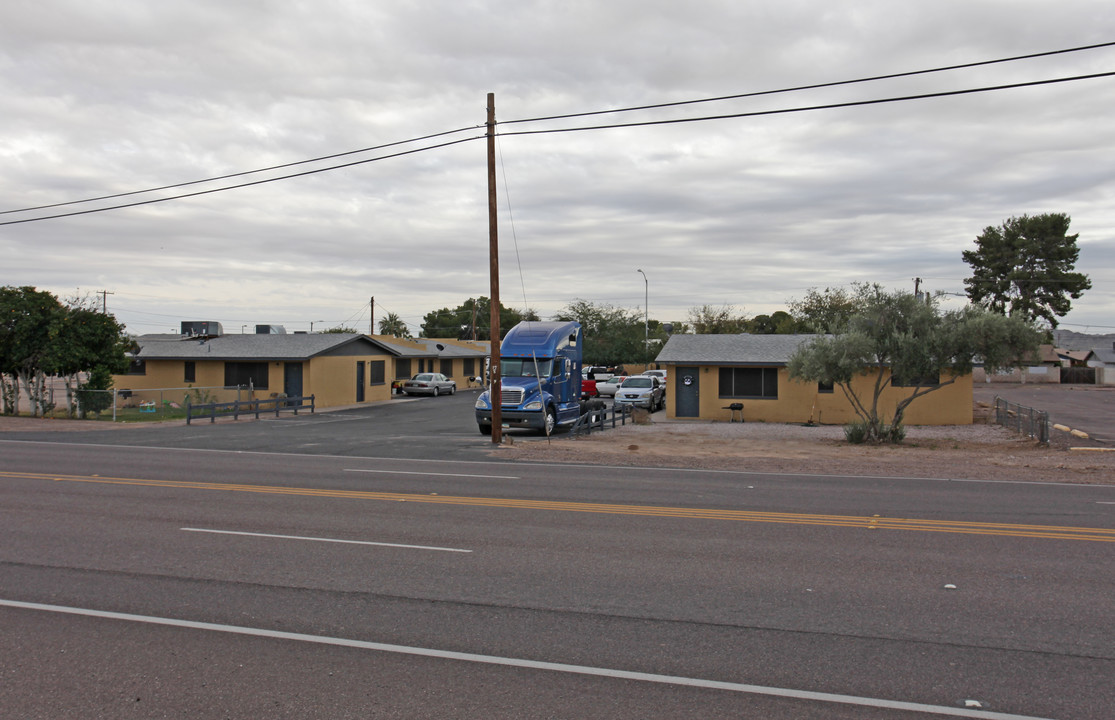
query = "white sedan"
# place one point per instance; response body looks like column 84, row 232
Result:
column 608, row 387
column 429, row 384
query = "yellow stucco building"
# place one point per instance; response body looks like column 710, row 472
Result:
column 337, row 369
column 707, row 374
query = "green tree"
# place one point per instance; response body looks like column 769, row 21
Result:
column 911, row 339
column 30, row 321
column 828, row 310
column 1025, row 267
column 612, row 335
column 87, row 341
column 394, row 326
column 724, row 320
column 779, row 322
column 471, row 320
column 341, row 330
column 41, row 338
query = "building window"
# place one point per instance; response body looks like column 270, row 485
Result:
column 421, row 365
column 137, row 367
column 402, row 369
column 190, row 374
column 823, row 387
column 447, row 368
column 924, row 381
column 469, row 367
column 749, row 382
column 377, row 372
column 246, row 374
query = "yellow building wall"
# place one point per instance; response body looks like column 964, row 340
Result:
column 800, row 402
column 331, row 380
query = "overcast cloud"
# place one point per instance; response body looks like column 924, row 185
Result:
column 111, row 97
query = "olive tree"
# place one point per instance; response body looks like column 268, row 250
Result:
column 894, row 336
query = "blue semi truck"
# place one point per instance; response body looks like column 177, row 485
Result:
column 540, row 367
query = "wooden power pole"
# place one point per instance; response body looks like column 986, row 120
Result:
column 494, row 390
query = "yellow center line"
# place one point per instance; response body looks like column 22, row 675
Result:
column 1048, row 532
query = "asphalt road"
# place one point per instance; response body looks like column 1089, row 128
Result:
column 1088, row 408
column 378, row 563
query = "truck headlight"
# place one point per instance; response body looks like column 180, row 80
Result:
column 536, row 405
column 482, row 402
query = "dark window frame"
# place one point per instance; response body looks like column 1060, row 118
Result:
column 377, row 372
column 189, row 371
column 750, row 383
column 247, row 373
column 934, row 380
column 402, row 369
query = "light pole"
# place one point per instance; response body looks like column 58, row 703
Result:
column 646, row 320
column 312, row 325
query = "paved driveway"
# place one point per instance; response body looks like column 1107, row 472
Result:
column 1089, row 408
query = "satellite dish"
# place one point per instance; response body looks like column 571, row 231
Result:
column 439, row 346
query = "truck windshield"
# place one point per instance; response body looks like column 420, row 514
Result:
column 525, row 367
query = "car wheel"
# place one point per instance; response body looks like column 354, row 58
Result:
column 485, row 429
column 435, row 391
column 452, row 389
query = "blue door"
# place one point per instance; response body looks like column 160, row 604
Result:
column 687, row 392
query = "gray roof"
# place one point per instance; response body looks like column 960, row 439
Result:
column 259, row 347
column 743, row 349
column 450, row 350
column 1105, row 355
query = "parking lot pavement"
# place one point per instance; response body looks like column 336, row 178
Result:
column 1088, row 408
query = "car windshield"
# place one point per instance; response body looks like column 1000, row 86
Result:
column 638, row 382
column 525, row 367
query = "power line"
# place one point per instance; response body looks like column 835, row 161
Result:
column 828, row 106
column 816, row 86
column 240, row 174
column 234, row 187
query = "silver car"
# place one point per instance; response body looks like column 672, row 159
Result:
column 429, row 384
column 642, row 391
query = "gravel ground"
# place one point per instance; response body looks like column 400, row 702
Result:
column 976, row 452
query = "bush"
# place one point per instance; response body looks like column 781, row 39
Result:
column 856, row 433
column 894, row 434
column 859, row 432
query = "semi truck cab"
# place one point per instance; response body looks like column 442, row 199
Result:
column 540, row 378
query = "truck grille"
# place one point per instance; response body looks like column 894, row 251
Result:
column 511, row 396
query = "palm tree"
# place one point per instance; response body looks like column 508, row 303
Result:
column 394, row 326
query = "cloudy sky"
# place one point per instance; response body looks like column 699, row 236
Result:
column 105, row 97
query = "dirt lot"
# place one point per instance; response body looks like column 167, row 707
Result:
column 976, row 452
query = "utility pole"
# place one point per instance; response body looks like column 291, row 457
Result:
column 494, row 390
column 372, row 316
column 104, row 301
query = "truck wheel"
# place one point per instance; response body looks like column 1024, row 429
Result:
column 551, row 422
column 486, row 430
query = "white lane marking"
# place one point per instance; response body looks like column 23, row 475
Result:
column 530, row 664
column 523, row 463
column 414, row 472
column 330, row 540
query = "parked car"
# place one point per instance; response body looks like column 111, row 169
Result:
column 645, row 391
column 596, row 372
column 429, row 384
column 660, row 374
column 608, row 388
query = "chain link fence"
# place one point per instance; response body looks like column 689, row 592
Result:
column 1023, row 420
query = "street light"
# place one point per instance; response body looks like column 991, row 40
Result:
column 312, row 325
column 646, row 320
